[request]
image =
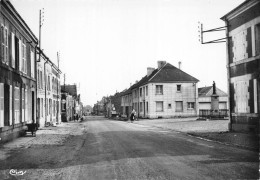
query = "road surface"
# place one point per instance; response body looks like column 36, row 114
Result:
column 108, row 149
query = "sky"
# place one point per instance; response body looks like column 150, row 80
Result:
column 106, row 45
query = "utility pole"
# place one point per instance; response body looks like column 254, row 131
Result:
column 41, row 19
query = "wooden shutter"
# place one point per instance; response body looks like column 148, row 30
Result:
column 1, row 105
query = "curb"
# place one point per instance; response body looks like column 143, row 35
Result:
column 205, row 139
column 223, row 143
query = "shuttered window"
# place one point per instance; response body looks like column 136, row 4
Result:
column 257, row 39
column 179, row 106
column 11, row 105
column 13, row 49
column 23, row 104
column 159, row 106
column 32, row 65
column 17, row 104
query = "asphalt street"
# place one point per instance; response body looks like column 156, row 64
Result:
column 109, row 149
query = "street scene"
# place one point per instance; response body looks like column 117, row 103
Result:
column 108, row 89
column 98, row 148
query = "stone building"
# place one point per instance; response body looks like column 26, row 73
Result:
column 243, row 65
column 17, row 73
column 164, row 92
column 48, row 91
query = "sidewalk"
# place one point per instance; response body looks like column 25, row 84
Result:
column 44, row 136
column 215, row 130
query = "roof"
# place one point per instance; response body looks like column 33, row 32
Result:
column 144, row 80
column 208, row 91
column 170, row 73
column 239, row 8
column 9, row 5
column 71, row 89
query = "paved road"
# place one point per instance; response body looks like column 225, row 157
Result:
column 110, row 149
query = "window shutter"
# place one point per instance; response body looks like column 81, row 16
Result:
column 32, row 64
column 11, row 105
column 20, row 56
column 13, row 49
column 1, row 105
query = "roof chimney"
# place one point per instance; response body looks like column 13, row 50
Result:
column 150, row 71
column 179, row 64
column 161, row 64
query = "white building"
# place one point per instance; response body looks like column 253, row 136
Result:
column 165, row 92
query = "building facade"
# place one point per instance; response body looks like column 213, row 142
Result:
column 205, row 98
column 163, row 93
column 243, row 65
column 48, row 91
column 17, row 73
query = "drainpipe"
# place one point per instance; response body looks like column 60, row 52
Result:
column 228, row 75
column 45, row 91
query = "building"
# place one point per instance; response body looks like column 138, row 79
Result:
column 69, row 102
column 164, row 92
column 17, row 73
column 204, row 98
column 243, row 65
column 48, row 91
column 126, row 102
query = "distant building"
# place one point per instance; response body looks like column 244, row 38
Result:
column 48, row 91
column 243, row 65
column 17, row 73
column 68, row 102
column 204, row 98
column 164, row 92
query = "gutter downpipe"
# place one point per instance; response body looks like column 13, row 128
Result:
column 228, row 75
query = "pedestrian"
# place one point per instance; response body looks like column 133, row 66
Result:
column 132, row 116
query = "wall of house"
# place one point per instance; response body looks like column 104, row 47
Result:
column 169, row 98
column 17, row 76
column 244, row 68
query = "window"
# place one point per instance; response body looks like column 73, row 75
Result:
column 257, row 39
column 141, row 107
column 24, row 61
column 190, row 105
column 146, row 88
column 169, row 106
column 146, row 106
column 159, row 89
column 179, row 106
column 178, row 88
column 159, row 106
column 140, row 92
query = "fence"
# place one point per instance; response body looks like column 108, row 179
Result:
column 213, row 114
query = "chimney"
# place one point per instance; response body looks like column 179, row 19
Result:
column 150, row 71
column 179, row 64
column 161, row 64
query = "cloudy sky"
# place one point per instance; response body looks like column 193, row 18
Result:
column 105, row 45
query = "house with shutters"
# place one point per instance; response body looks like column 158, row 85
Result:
column 164, row 92
column 48, row 91
column 243, row 65
column 17, row 73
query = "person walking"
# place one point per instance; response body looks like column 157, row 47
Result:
column 132, row 116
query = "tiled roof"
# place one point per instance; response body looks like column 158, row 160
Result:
column 71, row 89
column 167, row 73
column 208, row 91
column 170, row 73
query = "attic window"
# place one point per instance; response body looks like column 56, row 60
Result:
column 178, row 88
